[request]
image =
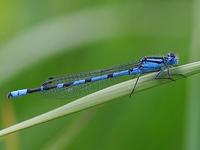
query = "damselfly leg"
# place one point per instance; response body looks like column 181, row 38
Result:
column 135, row 85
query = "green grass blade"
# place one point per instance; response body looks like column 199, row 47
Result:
column 192, row 115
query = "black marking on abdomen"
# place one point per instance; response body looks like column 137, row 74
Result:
column 130, row 70
column 68, row 84
column 49, row 88
column 110, row 75
column 88, row 80
column 33, row 90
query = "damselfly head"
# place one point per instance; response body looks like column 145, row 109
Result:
column 172, row 59
column 171, row 55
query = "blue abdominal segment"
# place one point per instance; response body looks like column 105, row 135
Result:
column 18, row 93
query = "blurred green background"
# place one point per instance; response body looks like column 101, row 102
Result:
column 39, row 39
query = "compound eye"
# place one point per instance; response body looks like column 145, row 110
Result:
column 171, row 55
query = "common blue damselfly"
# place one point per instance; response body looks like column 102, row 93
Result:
column 72, row 83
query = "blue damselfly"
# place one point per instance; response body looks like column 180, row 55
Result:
column 83, row 81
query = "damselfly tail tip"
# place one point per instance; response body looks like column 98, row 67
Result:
column 9, row 96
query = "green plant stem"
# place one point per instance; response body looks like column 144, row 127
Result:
column 102, row 96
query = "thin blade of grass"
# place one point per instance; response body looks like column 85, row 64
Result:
column 192, row 116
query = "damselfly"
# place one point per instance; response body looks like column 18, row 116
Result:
column 77, row 83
